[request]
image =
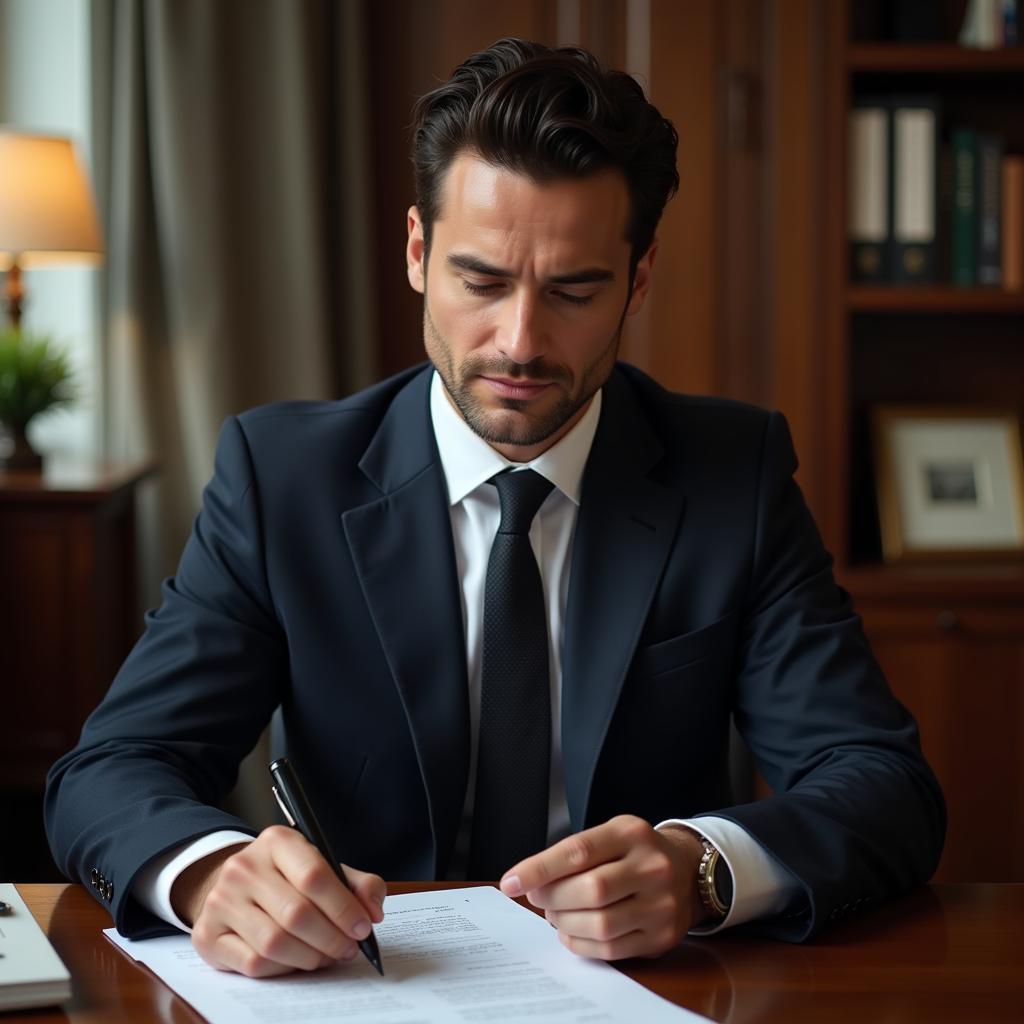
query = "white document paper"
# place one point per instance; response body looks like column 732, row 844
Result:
column 454, row 955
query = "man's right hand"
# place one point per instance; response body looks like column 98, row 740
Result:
column 274, row 905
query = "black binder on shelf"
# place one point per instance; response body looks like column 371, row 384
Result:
column 914, row 143
column 868, row 213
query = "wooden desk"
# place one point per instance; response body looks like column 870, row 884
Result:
column 945, row 953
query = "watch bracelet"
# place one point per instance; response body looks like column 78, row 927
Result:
column 709, row 898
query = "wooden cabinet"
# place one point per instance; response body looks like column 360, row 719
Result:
column 953, row 652
column 68, row 618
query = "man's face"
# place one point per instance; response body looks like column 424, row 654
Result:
column 525, row 298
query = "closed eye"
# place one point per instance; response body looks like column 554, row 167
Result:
column 479, row 289
column 576, row 300
column 488, row 289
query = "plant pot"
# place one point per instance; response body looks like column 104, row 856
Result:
column 20, row 455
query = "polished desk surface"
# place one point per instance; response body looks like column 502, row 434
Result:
column 944, row 953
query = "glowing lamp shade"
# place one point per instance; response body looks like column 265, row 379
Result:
column 47, row 214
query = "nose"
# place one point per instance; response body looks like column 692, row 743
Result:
column 522, row 335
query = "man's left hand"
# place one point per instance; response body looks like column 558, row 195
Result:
column 621, row 889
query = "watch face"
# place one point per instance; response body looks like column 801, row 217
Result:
column 722, row 881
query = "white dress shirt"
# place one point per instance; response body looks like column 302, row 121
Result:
column 760, row 886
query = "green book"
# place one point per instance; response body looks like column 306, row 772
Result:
column 989, row 253
column 965, row 203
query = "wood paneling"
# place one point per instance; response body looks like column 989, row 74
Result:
column 680, row 333
column 739, row 337
column 792, row 202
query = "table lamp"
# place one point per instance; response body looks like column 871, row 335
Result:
column 47, row 214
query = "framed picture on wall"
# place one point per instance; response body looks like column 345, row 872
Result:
column 950, row 482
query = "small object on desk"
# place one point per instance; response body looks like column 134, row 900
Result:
column 31, row 973
column 5, row 908
column 292, row 800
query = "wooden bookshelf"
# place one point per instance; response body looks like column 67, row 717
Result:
column 937, row 298
column 934, row 343
column 949, row 635
column 944, row 58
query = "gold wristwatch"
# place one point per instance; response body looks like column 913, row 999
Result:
column 714, row 882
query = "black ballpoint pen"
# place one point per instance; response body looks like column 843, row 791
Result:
column 293, row 802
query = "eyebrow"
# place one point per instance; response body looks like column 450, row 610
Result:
column 589, row 275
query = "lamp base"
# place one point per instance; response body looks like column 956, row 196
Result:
column 14, row 294
column 19, row 456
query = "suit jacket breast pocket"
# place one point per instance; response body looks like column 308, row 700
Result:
column 676, row 701
column 700, row 653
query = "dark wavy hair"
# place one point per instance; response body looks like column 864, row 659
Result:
column 546, row 113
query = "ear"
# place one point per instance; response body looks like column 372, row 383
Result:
column 414, row 250
column 642, row 279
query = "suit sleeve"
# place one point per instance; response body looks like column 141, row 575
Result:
column 163, row 747
column 857, row 815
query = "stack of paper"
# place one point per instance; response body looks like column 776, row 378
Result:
column 31, row 973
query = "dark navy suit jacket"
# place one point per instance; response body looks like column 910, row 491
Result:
column 320, row 577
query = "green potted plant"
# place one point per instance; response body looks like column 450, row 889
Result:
column 35, row 376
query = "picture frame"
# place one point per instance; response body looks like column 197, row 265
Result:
column 949, row 482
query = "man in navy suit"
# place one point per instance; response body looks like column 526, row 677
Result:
column 339, row 570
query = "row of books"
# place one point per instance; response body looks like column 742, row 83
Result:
column 925, row 208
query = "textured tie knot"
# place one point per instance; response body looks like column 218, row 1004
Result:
column 520, row 494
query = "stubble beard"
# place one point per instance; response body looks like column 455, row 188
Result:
column 515, row 423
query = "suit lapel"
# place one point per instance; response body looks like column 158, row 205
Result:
column 626, row 525
column 402, row 548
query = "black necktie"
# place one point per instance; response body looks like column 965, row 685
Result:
column 510, row 806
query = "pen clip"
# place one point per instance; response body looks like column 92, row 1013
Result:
column 284, row 808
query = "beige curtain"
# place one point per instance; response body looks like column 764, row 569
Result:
column 231, row 150
column 231, row 163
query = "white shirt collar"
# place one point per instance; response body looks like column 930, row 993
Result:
column 469, row 461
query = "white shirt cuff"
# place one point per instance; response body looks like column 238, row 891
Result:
column 760, row 886
column 152, row 885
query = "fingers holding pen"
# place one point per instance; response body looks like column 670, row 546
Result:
column 370, row 890
column 267, row 946
column 276, row 905
column 306, row 872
